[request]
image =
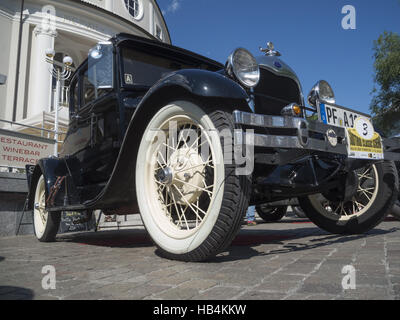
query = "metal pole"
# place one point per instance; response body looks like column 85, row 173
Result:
column 58, row 88
column 21, row 22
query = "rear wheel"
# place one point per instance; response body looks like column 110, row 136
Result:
column 45, row 223
column 299, row 212
column 375, row 190
column 271, row 214
column 191, row 202
column 396, row 209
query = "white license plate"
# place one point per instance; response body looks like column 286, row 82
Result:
column 362, row 140
column 337, row 116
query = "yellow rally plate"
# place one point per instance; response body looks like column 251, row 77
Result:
column 363, row 141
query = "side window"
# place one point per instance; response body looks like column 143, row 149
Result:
column 159, row 34
column 89, row 92
column 74, row 96
column 98, row 73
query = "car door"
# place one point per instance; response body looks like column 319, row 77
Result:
column 93, row 137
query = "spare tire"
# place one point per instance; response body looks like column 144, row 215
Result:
column 271, row 214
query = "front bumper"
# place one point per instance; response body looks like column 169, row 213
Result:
column 310, row 135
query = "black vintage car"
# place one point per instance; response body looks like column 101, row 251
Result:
column 190, row 143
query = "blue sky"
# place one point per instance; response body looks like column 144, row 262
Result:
column 308, row 33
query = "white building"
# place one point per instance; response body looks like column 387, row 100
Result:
column 70, row 27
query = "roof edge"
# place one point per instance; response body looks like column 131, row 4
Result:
column 93, row 6
column 165, row 23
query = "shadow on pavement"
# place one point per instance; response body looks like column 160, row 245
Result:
column 241, row 250
column 15, row 293
column 242, row 246
column 112, row 238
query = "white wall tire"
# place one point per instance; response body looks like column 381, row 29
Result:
column 45, row 224
column 376, row 192
column 189, row 218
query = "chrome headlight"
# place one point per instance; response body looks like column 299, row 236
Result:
column 322, row 92
column 243, row 66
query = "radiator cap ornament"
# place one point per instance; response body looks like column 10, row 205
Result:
column 270, row 50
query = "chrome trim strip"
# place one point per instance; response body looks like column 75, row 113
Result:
column 260, row 120
column 304, row 127
column 287, row 142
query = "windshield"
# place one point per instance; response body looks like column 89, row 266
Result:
column 145, row 69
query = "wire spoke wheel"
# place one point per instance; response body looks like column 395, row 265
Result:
column 360, row 202
column 368, row 197
column 184, row 175
column 40, row 214
column 191, row 202
column 45, row 224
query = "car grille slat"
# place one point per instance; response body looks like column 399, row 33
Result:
column 275, row 92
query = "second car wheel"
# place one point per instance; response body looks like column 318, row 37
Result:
column 376, row 189
column 191, row 202
column 271, row 214
column 45, row 223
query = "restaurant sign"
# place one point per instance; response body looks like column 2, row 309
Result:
column 19, row 149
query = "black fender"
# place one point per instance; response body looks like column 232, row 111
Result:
column 208, row 88
column 51, row 168
column 201, row 83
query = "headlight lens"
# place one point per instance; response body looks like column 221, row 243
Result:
column 243, row 66
column 322, row 92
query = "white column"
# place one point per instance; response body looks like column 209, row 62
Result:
column 151, row 19
column 40, row 79
column 109, row 5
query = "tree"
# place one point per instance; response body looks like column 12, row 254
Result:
column 385, row 105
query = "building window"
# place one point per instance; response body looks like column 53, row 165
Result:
column 134, row 8
column 159, row 32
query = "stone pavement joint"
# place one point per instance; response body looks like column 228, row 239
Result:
column 290, row 259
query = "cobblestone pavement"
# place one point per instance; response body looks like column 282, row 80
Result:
column 291, row 259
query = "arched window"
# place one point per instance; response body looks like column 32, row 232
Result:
column 135, row 8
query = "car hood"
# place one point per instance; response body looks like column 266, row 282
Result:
column 278, row 67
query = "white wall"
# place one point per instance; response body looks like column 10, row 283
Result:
column 99, row 3
column 5, row 39
column 87, row 26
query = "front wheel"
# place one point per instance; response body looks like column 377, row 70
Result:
column 190, row 201
column 45, row 223
column 375, row 190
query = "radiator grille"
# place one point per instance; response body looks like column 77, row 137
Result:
column 275, row 92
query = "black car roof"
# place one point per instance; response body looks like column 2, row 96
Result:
column 143, row 42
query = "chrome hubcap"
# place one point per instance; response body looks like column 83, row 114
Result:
column 164, row 176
